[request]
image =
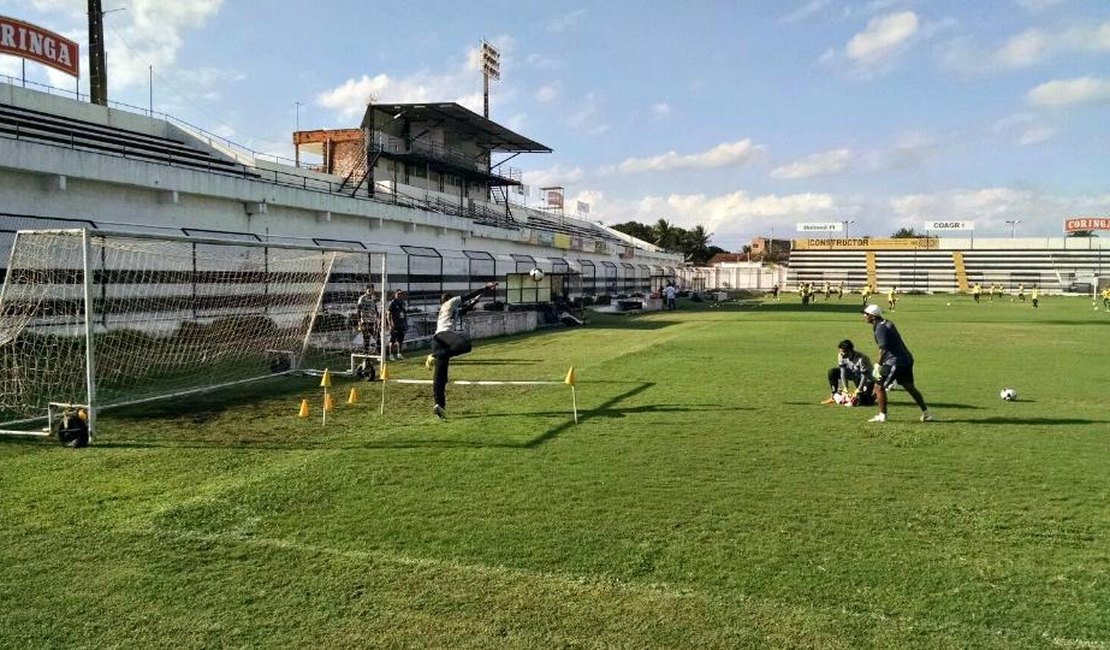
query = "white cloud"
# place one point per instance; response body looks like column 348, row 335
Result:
column 150, row 33
column 661, row 110
column 555, row 175
column 587, row 117
column 1063, row 93
column 909, row 151
column 884, row 39
column 805, row 11
column 825, row 163
column 546, row 93
column 541, row 62
column 1013, row 120
column 1036, row 135
column 566, row 22
column 1026, row 126
column 1023, row 50
column 730, row 217
column 990, row 208
column 457, row 84
column 722, row 155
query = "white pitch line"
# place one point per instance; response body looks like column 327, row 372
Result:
column 467, row 382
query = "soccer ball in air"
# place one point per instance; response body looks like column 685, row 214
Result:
column 1008, row 394
column 536, row 274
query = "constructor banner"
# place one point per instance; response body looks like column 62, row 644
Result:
column 830, row 226
column 868, row 244
column 31, row 42
column 1086, row 223
column 949, row 225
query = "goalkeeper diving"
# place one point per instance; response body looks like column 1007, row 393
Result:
column 852, row 368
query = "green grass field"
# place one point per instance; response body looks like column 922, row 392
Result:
column 705, row 499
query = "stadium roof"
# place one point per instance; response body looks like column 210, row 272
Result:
column 463, row 120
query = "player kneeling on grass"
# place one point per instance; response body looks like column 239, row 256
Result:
column 449, row 342
column 851, row 366
column 895, row 363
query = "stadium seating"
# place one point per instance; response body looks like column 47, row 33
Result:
column 938, row 271
column 28, row 124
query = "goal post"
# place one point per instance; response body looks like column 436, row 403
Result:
column 92, row 319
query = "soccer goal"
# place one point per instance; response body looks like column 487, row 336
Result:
column 92, row 319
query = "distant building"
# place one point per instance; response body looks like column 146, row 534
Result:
column 761, row 246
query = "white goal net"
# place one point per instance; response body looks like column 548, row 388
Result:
column 98, row 319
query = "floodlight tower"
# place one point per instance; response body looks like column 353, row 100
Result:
column 491, row 69
column 98, row 68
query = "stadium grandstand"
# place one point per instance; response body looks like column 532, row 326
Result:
column 949, row 265
column 417, row 181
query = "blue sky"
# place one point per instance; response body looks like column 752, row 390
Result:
column 740, row 116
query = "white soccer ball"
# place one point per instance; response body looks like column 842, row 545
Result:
column 536, row 274
column 1008, row 394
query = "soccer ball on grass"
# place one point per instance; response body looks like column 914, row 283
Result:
column 1008, row 394
column 536, row 274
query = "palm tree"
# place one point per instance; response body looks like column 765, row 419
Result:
column 664, row 234
column 696, row 244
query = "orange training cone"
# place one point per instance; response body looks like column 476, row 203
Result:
column 571, row 379
column 325, row 381
column 328, row 403
column 385, row 372
column 353, row 398
column 304, row 409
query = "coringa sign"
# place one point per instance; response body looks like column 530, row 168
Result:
column 32, row 42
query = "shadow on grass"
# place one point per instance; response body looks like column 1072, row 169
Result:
column 606, row 409
column 493, row 362
column 1028, row 421
column 943, row 405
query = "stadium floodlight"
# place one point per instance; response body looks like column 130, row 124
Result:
column 847, row 222
column 92, row 319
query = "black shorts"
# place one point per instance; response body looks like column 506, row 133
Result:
column 902, row 373
column 397, row 336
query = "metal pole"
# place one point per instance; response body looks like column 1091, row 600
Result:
column 150, row 70
column 90, row 375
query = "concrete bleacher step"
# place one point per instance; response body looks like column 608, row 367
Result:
column 23, row 123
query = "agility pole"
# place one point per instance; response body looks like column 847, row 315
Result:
column 570, row 380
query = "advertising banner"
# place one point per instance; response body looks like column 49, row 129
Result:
column 868, row 244
column 1086, row 223
column 37, row 44
column 828, row 226
column 949, row 225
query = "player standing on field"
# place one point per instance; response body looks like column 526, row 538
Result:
column 895, row 363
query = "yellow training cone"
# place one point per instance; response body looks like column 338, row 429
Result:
column 304, row 409
column 353, row 399
column 328, row 403
column 385, row 372
column 325, row 381
column 571, row 379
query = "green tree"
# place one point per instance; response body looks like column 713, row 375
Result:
column 695, row 244
column 905, row 233
column 1082, row 233
column 666, row 235
column 635, row 229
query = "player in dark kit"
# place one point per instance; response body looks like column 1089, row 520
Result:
column 396, row 319
column 895, row 363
